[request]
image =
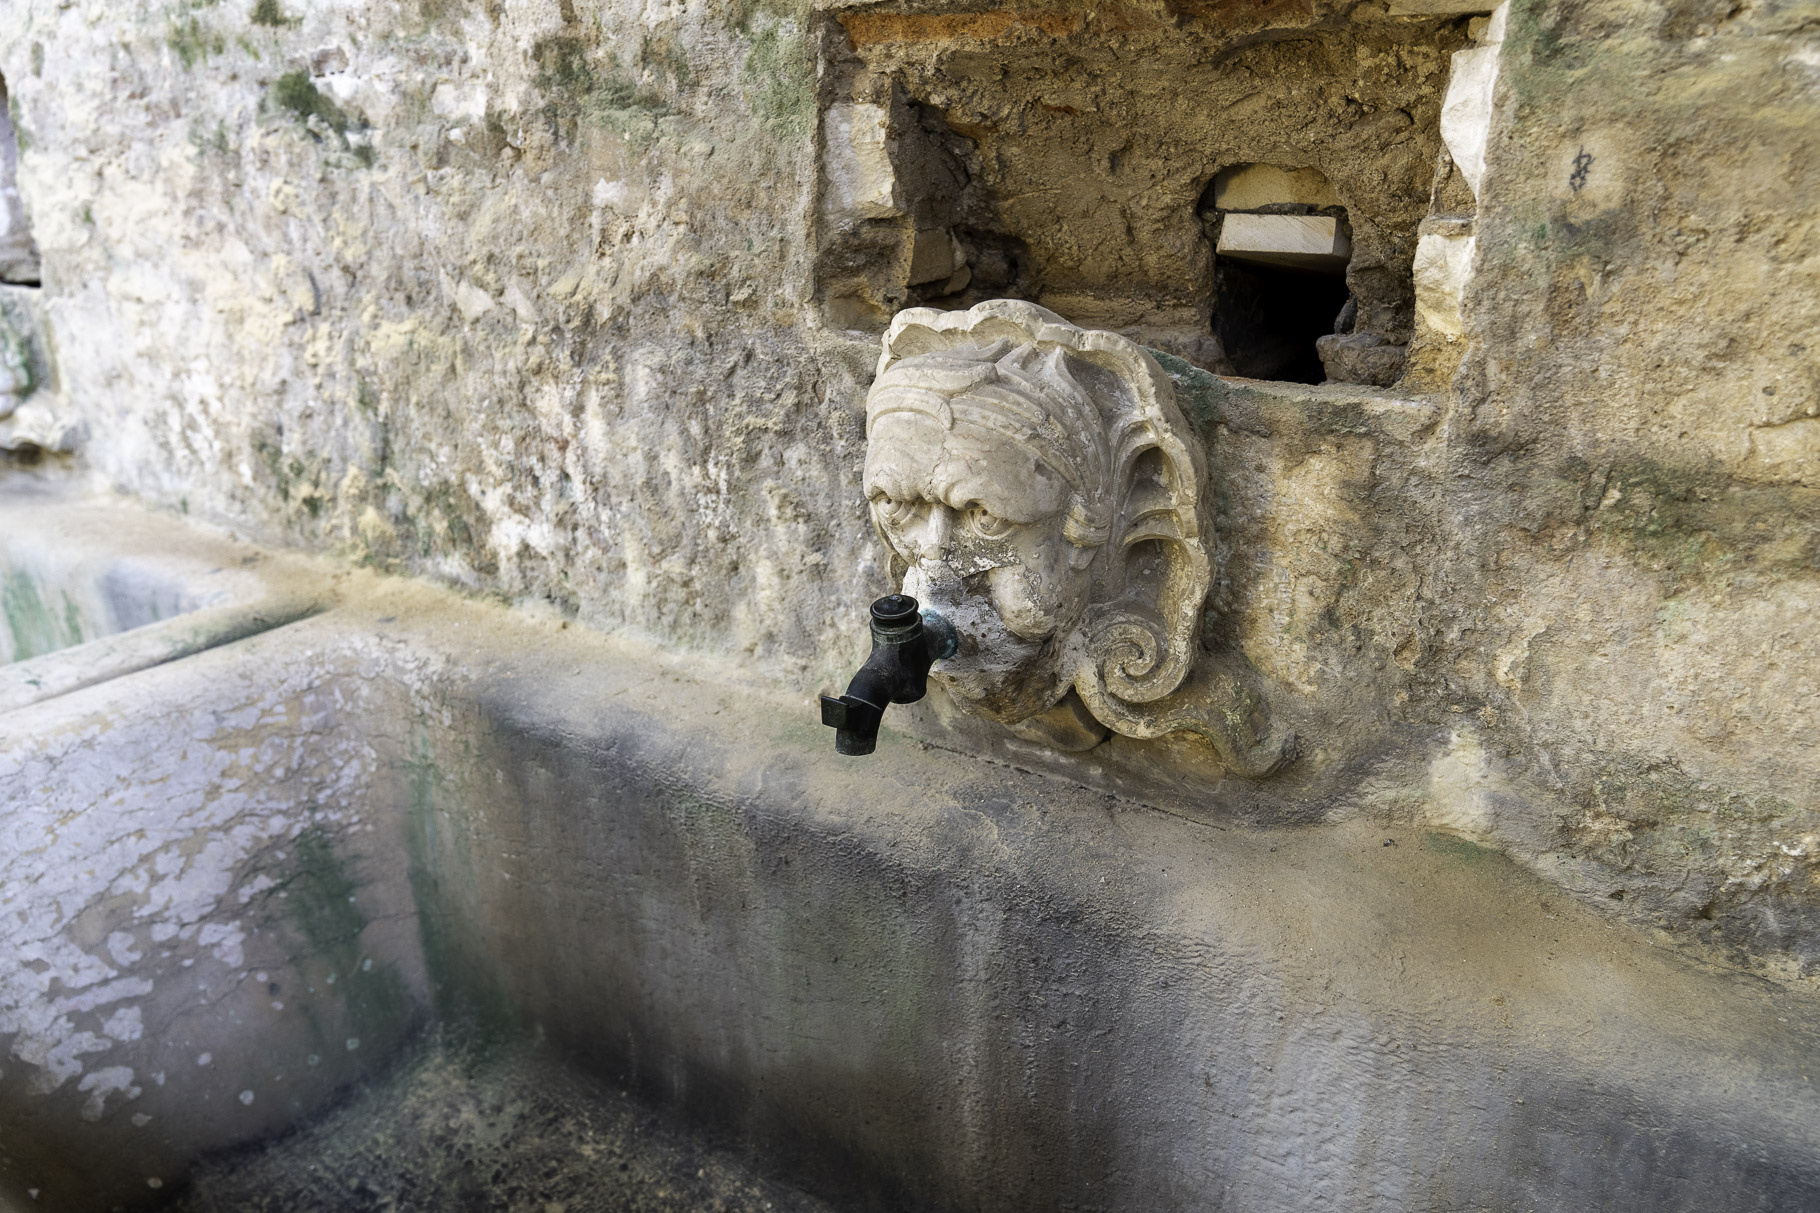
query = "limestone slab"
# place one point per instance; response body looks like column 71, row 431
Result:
column 1307, row 242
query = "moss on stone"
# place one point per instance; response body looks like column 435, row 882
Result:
column 267, row 12
column 1197, row 392
column 1455, row 847
column 663, row 55
column 1694, row 524
column 780, row 81
column 193, row 41
column 296, row 92
column 740, row 14
column 206, row 141
column 16, row 357
column 464, row 987
column 322, row 903
column 585, row 85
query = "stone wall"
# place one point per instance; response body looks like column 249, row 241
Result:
column 532, row 298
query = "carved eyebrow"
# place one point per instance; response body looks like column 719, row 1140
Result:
column 888, row 480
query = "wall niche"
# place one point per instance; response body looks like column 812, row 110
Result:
column 18, row 253
column 1136, row 170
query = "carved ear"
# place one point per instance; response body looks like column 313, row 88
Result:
column 1151, row 582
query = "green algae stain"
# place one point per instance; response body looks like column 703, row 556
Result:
column 463, row 977
column 296, row 92
column 321, row 900
column 16, row 357
column 193, row 41
column 1698, row 525
column 586, row 87
column 780, row 82
column 740, row 15
column 33, row 626
column 321, row 895
column 1455, row 847
column 1197, row 392
column 72, row 619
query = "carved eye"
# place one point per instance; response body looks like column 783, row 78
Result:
column 988, row 525
column 892, row 512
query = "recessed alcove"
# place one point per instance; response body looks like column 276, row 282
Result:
column 1071, row 158
column 18, row 252
column 1282, row 246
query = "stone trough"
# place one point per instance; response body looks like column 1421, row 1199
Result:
column 240, row 876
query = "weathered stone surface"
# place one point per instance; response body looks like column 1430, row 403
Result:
column 458, row 1125
column 18, row 254
column 1443, row 266
column 1252, row 186
column 1361, row 358
column 1074, row 169
column 1633, row 594
column 874, row 978
column 861, row 183
column 525, row 298
column 33, row 414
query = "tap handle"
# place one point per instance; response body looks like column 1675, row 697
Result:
column 854, row 721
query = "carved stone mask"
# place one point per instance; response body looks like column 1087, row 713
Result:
column 1032, row 483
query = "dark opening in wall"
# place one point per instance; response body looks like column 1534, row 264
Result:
column 1269, row 319
column 1283, row 245
column 18, row 254
column 1057, row 153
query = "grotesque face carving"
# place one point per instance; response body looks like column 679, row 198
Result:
column 976, row 523
column 1031, row 483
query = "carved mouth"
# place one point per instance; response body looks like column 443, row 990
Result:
column 996, row 673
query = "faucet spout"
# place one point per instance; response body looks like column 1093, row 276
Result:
column 905, row 643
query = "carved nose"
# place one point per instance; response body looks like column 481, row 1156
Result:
column 931, row 538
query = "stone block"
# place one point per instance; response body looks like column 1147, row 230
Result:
column 1788, row 453
column 860, row 183
column 1466, row 110
column 1361, row 358
column 1437, row 8
column 1250, row 187
column 1443, row 264
column 1194, row 344
column 933, row 257
column 1310, row 242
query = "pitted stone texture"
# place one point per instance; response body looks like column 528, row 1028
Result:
column 525, row 311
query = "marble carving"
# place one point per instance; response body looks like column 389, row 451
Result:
column 1035, row 483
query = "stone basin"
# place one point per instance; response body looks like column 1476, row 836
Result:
column 90, row 590
column 239, row 882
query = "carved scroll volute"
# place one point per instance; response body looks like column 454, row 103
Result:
column 1143, row 628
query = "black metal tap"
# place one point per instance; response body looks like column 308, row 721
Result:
column 905, row 643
